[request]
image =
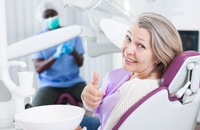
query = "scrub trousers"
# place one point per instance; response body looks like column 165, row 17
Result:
column 48, row 95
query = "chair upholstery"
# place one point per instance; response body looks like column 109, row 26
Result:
column 68, row 97
column 161, row 109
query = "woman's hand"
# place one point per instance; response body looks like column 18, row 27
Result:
column 91, row 94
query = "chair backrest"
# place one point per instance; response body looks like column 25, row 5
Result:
column 175, row 76
column 162, row 105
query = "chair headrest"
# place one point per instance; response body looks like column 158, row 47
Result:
column 175, row 75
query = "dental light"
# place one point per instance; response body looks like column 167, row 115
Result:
column 41, row 42
column 106, row 6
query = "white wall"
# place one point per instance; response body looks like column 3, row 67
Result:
column 184, row 14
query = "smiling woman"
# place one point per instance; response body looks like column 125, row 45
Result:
column 146, row 52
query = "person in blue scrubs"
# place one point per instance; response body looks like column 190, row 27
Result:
column 57, row 67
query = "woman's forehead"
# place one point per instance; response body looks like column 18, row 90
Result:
column 140, row 33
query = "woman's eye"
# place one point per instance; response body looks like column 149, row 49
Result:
column 128, row 38
column 141, row 46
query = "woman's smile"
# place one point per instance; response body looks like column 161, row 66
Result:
column 129, row 61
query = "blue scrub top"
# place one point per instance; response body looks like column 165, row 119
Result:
column 64, row 72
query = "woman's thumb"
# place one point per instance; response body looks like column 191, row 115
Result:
column 95, row 78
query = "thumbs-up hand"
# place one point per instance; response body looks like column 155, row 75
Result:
column 95, row 80
column 91, row 94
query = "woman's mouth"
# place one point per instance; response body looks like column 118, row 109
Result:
column 129, row 60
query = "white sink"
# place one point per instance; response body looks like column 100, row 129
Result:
column 50, row 117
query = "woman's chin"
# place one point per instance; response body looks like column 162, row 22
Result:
column 128, row 68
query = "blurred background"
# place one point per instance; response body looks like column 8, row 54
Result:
column 21, row 23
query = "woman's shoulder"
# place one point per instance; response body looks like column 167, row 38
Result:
column 114, row 79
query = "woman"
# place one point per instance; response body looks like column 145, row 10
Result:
column 151, row 43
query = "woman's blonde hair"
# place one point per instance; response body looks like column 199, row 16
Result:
column 165, row 39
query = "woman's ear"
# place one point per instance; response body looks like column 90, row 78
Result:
column 157, row 62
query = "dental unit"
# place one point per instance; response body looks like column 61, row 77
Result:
column 96, row 42
column 9, row 107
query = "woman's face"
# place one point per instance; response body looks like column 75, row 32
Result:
column 137, row 53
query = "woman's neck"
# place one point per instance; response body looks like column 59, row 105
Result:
column 146, row 76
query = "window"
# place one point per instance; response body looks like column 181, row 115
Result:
column 190, row 39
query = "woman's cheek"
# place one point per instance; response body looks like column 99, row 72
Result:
column 123, row 50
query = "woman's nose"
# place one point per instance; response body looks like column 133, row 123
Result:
column 130, row 48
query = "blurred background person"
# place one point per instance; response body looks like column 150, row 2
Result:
column 57, row 67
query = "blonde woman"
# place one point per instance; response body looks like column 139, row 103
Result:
column 148, row 48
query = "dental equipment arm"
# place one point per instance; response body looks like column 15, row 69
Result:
column 114, row 30
column 42, row 41
column 25, row 88
column 109, row 8
column 95, row 49
column 105, row 6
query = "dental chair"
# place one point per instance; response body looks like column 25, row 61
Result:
column 67, row 97
column 172, row 106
